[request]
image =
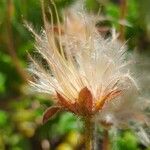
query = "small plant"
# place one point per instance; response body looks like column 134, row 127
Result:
column 86, row 74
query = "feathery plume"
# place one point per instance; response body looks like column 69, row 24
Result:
column 88, row 75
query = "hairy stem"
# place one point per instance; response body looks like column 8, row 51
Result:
column 106, row 142
column 89, row 136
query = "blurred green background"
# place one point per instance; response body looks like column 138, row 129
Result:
column 21, row 109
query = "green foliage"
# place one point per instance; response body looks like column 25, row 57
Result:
column 112, row 11
column 124, row 141
column 59, row 126
column 20, row 110
column 127, row 142
column 3, row 118
column 63, row 3
column 66, row 123
column 92, row 5
column 2, row 82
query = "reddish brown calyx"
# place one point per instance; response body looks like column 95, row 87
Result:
column 85, row 102
column 81, row 106
column 50, row 112
column 84, row 105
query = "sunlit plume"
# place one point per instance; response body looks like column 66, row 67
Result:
column 86, row 73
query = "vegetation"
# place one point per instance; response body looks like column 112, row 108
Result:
column 21, row 109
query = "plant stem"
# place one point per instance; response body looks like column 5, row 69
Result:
column 106, row 143
column 88, row 136
column 10, row 44
column 123, row 13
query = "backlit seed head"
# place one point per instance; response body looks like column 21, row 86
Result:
column 87, row 74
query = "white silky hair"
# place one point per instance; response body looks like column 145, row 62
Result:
column 83, row 58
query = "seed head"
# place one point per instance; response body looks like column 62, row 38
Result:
column 87, row 74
